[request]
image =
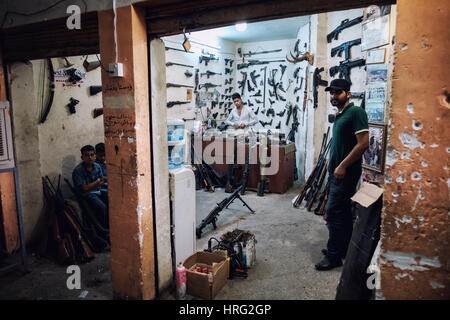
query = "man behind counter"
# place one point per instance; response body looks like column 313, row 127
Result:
column 240, row 117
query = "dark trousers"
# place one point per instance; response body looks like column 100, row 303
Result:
column 99, row 202
column 339, row 214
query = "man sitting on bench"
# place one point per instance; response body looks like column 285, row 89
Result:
column 89, row 182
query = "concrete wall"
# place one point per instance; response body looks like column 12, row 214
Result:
column 53, row 147
column 414, row 258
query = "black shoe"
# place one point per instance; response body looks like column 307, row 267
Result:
column 325, row 251
column 328, row 264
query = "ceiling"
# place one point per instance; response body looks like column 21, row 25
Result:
column 258, row 31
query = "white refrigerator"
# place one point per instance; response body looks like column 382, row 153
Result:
column 182, row 200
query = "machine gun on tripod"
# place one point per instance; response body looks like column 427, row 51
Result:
column 211, row 218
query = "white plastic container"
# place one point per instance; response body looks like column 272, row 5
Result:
column 175, row 130
column 176, row 154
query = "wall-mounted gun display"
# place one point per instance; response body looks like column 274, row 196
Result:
column 197, row 79
column 230, row 61
column 71, row 106
column 169, row 48
column 249, row 87
column 345, row 47
column 266, row 123
column 97, row 112
column 243, row 82
column 228, row 71
column 249, row 54
column 258, row 94
column 344, row 24
column 253, row 76
column 317, row 81
column 93, row 90
column 207, row 59
column 228, row 81
column 270, row 111
column 257, row 111
column 281, row 114
column 174, row 103
column 254, row 63
column 209, row 73
column 168, row 64
column 283, row 69
column 208, row 85
column 344, row 68
column 174, row 85
column 278, row 125
column 296, row 73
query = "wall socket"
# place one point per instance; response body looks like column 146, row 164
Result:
column 116, row 69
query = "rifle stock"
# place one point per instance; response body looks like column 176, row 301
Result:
column 97, row 112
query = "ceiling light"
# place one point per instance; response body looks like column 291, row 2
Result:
column 241, row 26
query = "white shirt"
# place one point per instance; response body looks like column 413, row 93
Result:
column 247, row 117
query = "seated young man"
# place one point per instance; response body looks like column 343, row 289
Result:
column 89, row 180
column 100, row 159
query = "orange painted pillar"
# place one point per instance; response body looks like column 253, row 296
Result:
column 127, row 140
column 415, row 255
column 8, row 212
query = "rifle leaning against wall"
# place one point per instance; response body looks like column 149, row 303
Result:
column 317, row 171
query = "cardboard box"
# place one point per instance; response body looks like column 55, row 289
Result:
column 197, row 283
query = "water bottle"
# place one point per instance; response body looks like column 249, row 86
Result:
column 181, row 281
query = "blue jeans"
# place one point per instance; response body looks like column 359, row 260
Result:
column 339, row 214
column 99, row 202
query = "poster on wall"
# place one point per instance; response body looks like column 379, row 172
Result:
column 374, row 11
column 376, row 73
column 373, row 158
column 69, row 77
column 375, row 111
column 375, row 33
column 376, row 91
column 376, row 56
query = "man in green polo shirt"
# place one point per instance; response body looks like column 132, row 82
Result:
column 350, row 141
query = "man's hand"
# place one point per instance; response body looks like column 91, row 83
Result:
column 236, row 126
column 339, row 172
column 242, row 125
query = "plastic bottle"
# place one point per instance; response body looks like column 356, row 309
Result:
column 181, row 281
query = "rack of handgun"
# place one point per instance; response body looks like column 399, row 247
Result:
column 313, row 186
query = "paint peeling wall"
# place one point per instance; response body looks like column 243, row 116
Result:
column 414, row 260
column 53, row 147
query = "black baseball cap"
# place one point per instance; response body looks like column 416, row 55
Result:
column 339, row 84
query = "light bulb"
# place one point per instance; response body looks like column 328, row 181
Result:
column 241, row 26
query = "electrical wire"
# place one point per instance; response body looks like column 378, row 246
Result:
column 115, row 28
column 101, row 65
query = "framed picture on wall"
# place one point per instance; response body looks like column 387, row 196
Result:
column 376, row 56
column 375, row 33
column 375, row 111
column 373, row 158
column 376, row 73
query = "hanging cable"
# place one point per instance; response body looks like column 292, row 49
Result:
column 115, row 28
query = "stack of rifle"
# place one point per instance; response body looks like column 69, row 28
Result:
column 315, row 181
column 66, row 238
column 205, row 176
